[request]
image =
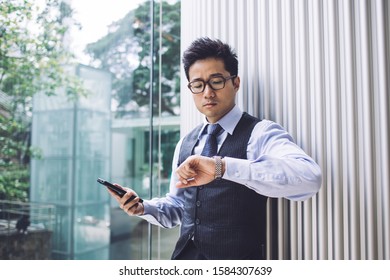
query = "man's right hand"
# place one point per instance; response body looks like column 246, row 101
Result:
column 132, row 208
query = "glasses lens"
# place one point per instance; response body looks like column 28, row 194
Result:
column 197, row 86
column 217, row 82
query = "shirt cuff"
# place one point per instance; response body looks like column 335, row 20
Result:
column 237, row 169
column 149, row 211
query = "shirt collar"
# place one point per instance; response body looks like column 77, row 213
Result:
column 227, row 122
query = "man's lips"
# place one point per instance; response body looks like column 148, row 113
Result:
column 209, row 104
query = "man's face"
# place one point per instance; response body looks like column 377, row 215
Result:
column 214, row 104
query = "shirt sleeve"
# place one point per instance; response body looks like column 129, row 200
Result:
column 167, row 211
column 276, row 166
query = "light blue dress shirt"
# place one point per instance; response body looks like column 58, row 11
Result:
column 276, row 167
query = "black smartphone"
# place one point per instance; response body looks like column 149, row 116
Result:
column 117, row 190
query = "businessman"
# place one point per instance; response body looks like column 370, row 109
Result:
column 226, row 167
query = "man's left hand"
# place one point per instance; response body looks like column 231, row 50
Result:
column 195, row 171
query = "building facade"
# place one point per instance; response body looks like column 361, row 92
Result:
column 321, row 69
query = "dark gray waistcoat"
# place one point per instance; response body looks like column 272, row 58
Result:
column 226, row 220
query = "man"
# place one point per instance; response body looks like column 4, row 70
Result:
column 218, row 194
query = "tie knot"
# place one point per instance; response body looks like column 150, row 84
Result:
column 213, row 129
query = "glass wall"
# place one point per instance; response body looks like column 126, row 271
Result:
column 146, row 127
column 75, row 146
column 114, row 114
column 126, row 135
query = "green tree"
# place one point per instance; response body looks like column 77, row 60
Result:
column 15, row 153
column 125, row 52
column 33, row 56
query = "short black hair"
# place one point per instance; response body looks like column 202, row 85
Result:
column 204, row 48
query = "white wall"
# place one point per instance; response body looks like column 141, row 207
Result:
column 321, row 69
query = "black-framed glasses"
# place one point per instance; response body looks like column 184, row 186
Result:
column 216, row 83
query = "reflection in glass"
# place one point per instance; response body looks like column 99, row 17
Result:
column 125, row 130
column 145, row 124
column 75, row 149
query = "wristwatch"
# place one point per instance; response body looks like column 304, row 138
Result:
column 218, row 167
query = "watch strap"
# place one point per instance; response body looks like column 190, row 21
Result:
column 218, row 167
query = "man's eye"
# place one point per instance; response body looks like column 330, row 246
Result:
column 197, row 85
column 216, row 81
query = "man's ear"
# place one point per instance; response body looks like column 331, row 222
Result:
column 236, row 83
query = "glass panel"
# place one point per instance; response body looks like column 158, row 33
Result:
column 62, row 234
column 75, row 151
column 125, row 130
column 167, row 58
column 91, row 230
column 50, row 138
column 137, row 162
column 166, row 113
column 88, row 172
column 99, row 254
column 51, row 180
column 99, row 84
column 93, row 138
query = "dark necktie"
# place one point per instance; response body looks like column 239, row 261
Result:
column 211, row 146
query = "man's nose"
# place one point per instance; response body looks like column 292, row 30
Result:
column 208, row 91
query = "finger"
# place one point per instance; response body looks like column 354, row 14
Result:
column 186, row 180
column 134, row 207
column 188, row 166
column 114, row 195
column 185, row 174
column 127, row 198
column 186, row 183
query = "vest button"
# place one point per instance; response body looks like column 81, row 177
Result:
column 198, row 203
column 197, row 221
column 201, row 187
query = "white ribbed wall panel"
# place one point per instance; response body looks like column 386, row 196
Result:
column 321, row 69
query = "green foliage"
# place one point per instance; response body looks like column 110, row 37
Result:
column 32, row 60
column 32, row 50
column 125, row 52
column 15, row 153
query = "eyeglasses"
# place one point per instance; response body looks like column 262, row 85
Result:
column 216, row 83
